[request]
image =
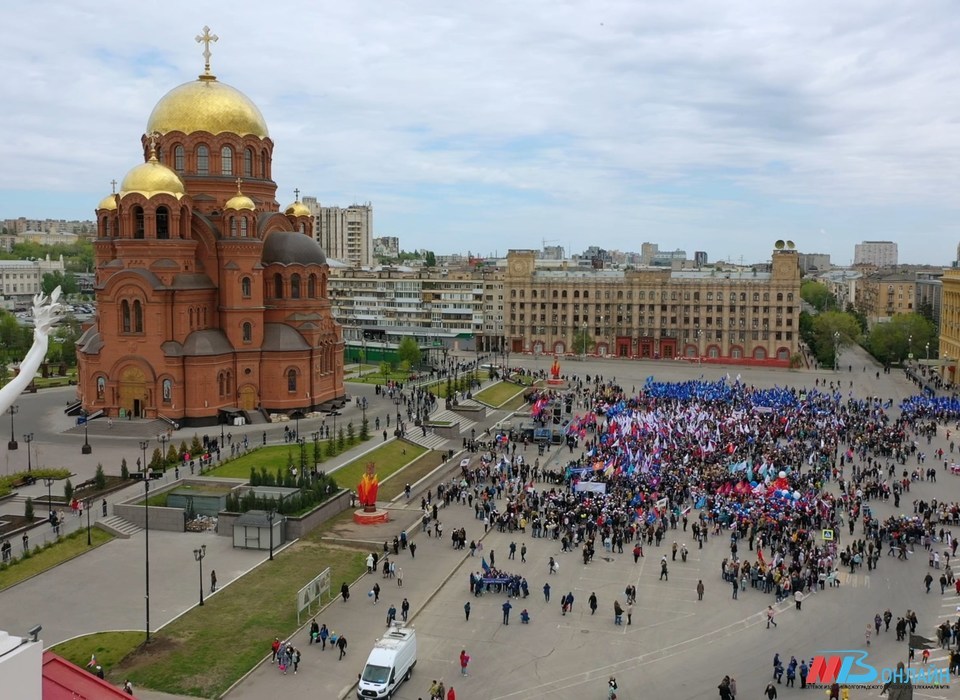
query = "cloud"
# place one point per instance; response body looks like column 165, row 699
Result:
column 712, row 126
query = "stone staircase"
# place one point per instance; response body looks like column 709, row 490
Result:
column 431, row 441
column 139, row 428
column 446, row 415
column 119, row 527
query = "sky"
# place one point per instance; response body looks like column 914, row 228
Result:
column 485, row 126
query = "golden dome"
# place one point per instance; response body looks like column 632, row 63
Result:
column 240, row 201
column 207, row 105
column 152, row 178
column 109, row 203
column 297, row 209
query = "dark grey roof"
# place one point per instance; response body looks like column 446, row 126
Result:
column 172, row 348
column 90, row 342
column 279, row 337
column 212, row 341
column 254, row 518
column 292, row 248
column 191, row 280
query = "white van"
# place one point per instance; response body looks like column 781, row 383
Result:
column 390, row 663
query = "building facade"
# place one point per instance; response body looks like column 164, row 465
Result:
column 21, row 279
column 949, row 340
column 211, row 300
column 818, row 262
column 745, row 316
column 875, row 253
column 345, row 234
column 929, row 299
column 881, row 296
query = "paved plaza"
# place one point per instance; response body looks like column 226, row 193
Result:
column 677, row 647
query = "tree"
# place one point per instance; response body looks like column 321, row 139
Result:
column 124, row 470
column 365, row 430
column 826, row 329
column 409, row 351
column 582, row 342
column 429, row 259
column 341, row 439
column 68, row 491
column 351, row 434
column 894, row 340
column 817, row 295
column 67, row 282
column 28, row 510
column 100, row 478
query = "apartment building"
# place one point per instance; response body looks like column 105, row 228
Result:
column 875, row 253
column 345, row 234
column 881, row 296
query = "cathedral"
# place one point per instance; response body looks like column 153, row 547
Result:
column 211, row 301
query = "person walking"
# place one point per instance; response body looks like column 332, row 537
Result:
column 546, row 592
column 770, row 613
column 523, row 553
column 506, row 612
column 663, row 568
column 464, row 661
column 700, row 589
column 404, row 609
column 629, row 611
column 466, row 610
column 342, row 646
column 400, row 576
column 213, row 581
column 376, row 593
column 274, row 649
column 592, row 600
column 617, row 613
column 345, row 592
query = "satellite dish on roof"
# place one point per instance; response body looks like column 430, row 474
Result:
column 779, row 245
column 790, row 245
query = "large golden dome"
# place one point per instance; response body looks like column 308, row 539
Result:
column 206, row 104
column 152, row 178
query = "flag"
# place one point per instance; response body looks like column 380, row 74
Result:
column 918, row 642
column 93, row 661
column 484, row 565
column 760, row 556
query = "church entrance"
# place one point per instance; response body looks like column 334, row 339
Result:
column 133, row 391
column 248, row 398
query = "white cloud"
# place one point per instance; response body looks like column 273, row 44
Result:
column 706, row 125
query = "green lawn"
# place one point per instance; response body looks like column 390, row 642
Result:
column 273, row 459
column 389, row 458
column 376, row 377
column 410, row 475
column 206, row 650
column 73, row 545
column 110, row 648
column 499, row 394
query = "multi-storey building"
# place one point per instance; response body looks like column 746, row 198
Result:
column 949, row 340
column 930, row 294
column 881, row 296
column 875, row 253
column 743, row 316
column 843, row 284
column 814, row 261
column 386, row 246
column 345, row 234
column 21, row 279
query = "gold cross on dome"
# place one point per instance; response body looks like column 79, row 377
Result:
column 152, row 141
column 113, row 186
column 206, row 39
column 296, row 195
column 239, row 182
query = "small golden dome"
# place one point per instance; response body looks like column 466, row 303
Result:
column 152, row 178
column 239, row 202
column 109, row 203
column 207, row 105
column 297, row 209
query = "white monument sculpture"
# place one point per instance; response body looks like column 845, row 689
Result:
column 46, row 313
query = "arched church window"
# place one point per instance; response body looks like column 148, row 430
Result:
column 263, row 164
column 226, row 161
column 137, row 316
column 190, row 312
column 247, row 332
column 248, row 162
column 243, row 227
column 138, row 222
column 125, row 316
column 245, row 286
column 295, row 287
column 167, row 390
column 203, row 160
column 222, row 383
column 291, row 380
column 178, row 158
column 312, row 286
column 163, row 223
column 233, row 227
column 278, row 286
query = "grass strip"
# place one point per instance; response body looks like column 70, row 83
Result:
column 50, row 555
column 275, row 458
column 410, row 474
column 498, row 394
column 389, row 458
column 110, row 648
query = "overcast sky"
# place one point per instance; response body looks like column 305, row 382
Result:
column 486, row 125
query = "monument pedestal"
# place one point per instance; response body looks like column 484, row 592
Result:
column 371, row 517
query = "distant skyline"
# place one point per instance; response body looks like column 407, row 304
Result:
column 487, row 126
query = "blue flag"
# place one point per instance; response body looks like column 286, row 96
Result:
column 484, row 565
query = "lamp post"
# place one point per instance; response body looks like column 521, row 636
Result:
column 910, row 346
column 13, row 410
column 223, row 440
column 927, row 348
column 87, row 505
column 271, row 514
column 363, row 408
column 48, row 482
column 199, row 554
column 303, row 456
column 836, row 351
column 296, row 420
column 28, row 438
column 86, row 449
column 396, row 402
column 583, row 342
column 699, row 346
column 146, row 541
column 316, row 447
column 162, row 439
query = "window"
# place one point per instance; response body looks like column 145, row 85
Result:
column 138, row 222
column 291, row 380
column 163, row 223
column 245, row 287
column 295, row 287
column 137, row 316
column 263, row 164
column 226, row 161
column 248, row 162
column 233, row 227
column 167, row 390
column 125, row 316
column 101, row 386
column 278, row 286
column 243, row 227
column 178, row 159
column 222, row 383
column 203, row 160
column 247, row 332
column 312, row 287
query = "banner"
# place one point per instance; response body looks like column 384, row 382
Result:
column 592, row 486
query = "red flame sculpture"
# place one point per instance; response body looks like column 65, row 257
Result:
column 555, row 370
column 368, row 487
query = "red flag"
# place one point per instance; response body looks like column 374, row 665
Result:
column 760, row 556
column 93, row 661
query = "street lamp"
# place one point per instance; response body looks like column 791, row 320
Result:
column 927, row 347
column 13, row 410
column 303, row 456
column 86, row 449
column 271, row 514
column 146, row 541
column 699, row 350
column 28, row 438
column 199, row 554
column 836, row 351
column 162, row 439
column 86, row 507
column 316, row 447
column 48, row 482
column 910, row 346
column 583, row 342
